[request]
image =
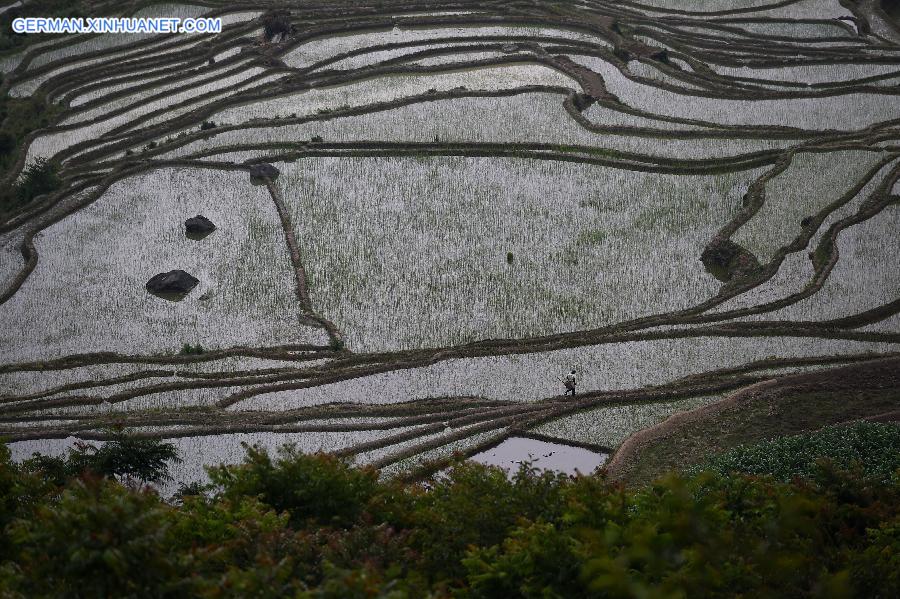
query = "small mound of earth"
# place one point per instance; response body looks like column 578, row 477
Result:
column 727, row 261
column 198, row 227
column 172, row 285
column 260, row 172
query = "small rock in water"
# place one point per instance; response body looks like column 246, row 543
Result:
column 172, row 285
column 198, row 227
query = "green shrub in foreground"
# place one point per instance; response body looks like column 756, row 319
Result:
column 312, row 526
column 320, row 488
column 124, row 455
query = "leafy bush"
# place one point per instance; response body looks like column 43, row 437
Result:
column 99, row 538
column 321, row 488
column 875, row 447
column 133, row 458
column 474, row 506
column 312, row 526
column 7, row 143
column 39, row 178
column 276, row 23
column 124, row 455
column 187, row 349
column 876, row 569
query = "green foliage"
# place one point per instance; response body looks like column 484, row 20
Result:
column 124, row 455
column 18, row 118
column 276, row 23
column 876, row 569
column 473, row 506
column 38, row 178
column 187, row 349
column 135, row 458
column 99, row 540
column 7, row 143
column 535, row 560
column 875, row 447
column 20, row 492
column 321, row 488
column 312, row 526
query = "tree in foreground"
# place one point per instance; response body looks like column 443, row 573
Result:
column 295, row 525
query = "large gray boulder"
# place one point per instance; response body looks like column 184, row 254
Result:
column 198, row 227
column 172, row 285
column 260, row 172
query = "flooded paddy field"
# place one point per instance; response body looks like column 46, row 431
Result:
column 424, row 216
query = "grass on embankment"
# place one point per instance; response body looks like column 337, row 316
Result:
column 787, row 406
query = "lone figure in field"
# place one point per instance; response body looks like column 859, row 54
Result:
column 569, row 382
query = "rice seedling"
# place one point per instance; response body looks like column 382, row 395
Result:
column 490, row 120
column 847, row 111
column 447, row 451
column 795, row 29
column 321, row 49
column 385, row 89
column 798, row 193
column 460, row 57
column 705, row 5
column 581, row 233
column 364, row 59
column 812, row 73
column 535, row 376
column 49, row 145
column 865, row 276
column 109, row 41
column 138, row 99
column 809, row 9
column 609, row 426
column 244, row 296
column 796, row 272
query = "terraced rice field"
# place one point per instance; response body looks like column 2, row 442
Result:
column 679, row 199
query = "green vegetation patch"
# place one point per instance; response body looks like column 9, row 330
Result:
column 39, row 178
column 871, row 447
column 749, row 423
column 18, row 118
column 312, row 526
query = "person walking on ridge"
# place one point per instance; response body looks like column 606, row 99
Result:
column 569, row 382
